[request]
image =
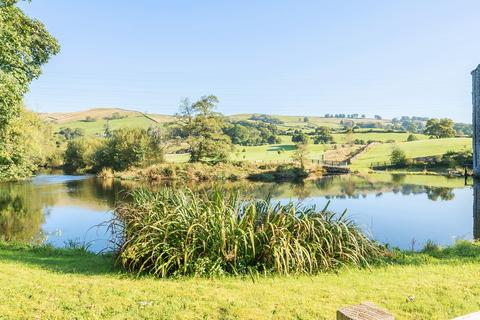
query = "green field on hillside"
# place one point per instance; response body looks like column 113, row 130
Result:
column 98, row 126
column 297, row 122
column 375, row 136
column 421, row 148
column 136, row 120
column 284, row 151
column 269, row 153
column 379, row 153
column 43, row 283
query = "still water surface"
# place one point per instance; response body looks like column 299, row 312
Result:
column 404, row 211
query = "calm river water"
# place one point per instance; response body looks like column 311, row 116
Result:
column 403, row 211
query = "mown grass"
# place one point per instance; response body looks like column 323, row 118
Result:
column 421, row 148
column 45, row 283
column 182, row 232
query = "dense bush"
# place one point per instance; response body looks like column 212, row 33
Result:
column 69, row 133
column 322, row 135
column 116, row 116
column 398, row 157
column 89, row 119
column 412, row 137
column 79, row 155
column 173, row 232
column 252, row 133
column 25, row 144
column 122, row 149
column 300, row 137
column 129, row 147
column 266, row 118
column 454, row 159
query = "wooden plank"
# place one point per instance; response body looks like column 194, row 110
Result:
column 471, row 316
column 364, row 311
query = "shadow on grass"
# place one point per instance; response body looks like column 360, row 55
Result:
column 460, row 252
column 283, row 147
column 72, row 260
column 79, row 261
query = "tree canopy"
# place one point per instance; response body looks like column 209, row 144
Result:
column 25, row 46
column 202, row 129
column 440, row 128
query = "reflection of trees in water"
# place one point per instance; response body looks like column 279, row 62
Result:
column 96, row 191
column 301, row 191
column 332, row 187
column 325, row 183
column 398, row 178
column 435, row 193
column 24, row 205
column 21, row 215
column 408, row 189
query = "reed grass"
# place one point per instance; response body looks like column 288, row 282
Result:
column 173, row 233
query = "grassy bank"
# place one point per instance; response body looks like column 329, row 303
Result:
column 69, row 284
column 233, row 171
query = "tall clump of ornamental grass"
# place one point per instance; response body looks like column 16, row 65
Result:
column 173, row 233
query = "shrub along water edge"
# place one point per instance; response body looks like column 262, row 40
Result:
column 176, row 233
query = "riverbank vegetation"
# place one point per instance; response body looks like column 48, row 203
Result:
column 65, row 283
column 175, row 232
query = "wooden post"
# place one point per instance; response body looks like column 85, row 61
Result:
column 364, row 311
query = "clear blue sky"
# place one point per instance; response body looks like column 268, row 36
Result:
column 390, row 58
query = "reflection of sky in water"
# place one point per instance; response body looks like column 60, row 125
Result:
column 397, row 219
column 53, row 179
column 64, row 223
column 74, row 205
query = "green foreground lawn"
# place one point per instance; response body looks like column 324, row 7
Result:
column 43, row 283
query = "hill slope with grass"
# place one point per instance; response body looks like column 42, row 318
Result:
column 93, row 121
column 132, row 118
column 413, row 149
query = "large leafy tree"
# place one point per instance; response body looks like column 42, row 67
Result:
column 25, row 45
column 202, row 129
column 442, row 128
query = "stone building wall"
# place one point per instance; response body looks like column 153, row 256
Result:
column 476, row 120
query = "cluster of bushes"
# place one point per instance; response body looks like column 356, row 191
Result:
column 116, row 116
column 26, row 144
column 192, row 172
column 89, row 119
column 176, row 233
column 300, row 137
column 70, row 134
column 342, row 116
column 120, row 150
column 284, row 172
column 321, row 135
column 246, row 133
column 266, row 118
column 451, row 159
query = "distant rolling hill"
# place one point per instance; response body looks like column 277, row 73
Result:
column 100, row 116
column 135, row 119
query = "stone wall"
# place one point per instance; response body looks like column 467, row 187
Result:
column 476, row 120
